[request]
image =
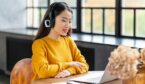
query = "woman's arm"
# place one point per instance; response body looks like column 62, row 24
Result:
column 77, row 57
column 40, row 63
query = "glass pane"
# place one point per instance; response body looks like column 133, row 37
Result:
column 98, row 3
column 71, row 3
column 86, row 20
column 36, row 18
column 29, row 3
column 40, row 3
column 110, row 22
column 74, row 21
column 43, row 11
column 29, row 17
column 97, row 21
column 140, row 23
column 133, row 3
column 127, row 22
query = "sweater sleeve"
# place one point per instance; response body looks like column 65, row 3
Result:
column 77, row 56
column 41, row 65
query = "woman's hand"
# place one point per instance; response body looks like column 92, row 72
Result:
column 63, row 74
column 77, row 64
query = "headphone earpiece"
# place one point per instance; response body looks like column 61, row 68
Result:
column 47, row 23
column 50, row 22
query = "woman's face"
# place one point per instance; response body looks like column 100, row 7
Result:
column 63, row 23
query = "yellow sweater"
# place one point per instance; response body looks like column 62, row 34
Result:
column 51, row 57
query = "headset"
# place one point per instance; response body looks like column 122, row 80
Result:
column 51, row 21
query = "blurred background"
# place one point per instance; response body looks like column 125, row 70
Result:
column 98, row 26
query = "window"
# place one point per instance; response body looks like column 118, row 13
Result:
column 133, row 3
column 133, row 14
column 98, row 16
column 35, row 12
column 122, row 18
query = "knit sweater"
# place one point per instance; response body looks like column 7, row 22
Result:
column 52, row 56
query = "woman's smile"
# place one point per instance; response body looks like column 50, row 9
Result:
column 65, row 30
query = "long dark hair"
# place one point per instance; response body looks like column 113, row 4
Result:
column 55, row 9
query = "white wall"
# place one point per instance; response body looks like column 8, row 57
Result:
column 12, row 14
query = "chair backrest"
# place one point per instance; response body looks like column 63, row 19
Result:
column 22, row 72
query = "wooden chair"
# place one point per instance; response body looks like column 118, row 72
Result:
column 22, row 72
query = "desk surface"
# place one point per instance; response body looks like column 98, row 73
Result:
column 64, row 80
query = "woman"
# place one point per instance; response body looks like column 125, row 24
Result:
column 55, row 54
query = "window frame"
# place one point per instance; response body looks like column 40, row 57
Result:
column 118, row 19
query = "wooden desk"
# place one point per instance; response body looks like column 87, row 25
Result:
column 64, row 80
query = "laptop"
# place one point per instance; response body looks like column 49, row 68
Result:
column 98, row 77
